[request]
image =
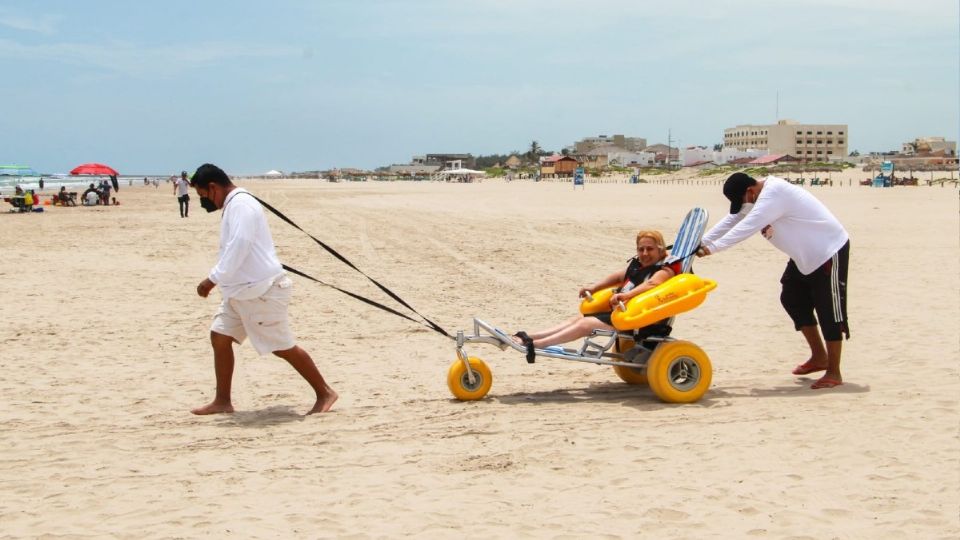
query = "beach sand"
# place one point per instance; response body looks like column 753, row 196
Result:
column 105, row 350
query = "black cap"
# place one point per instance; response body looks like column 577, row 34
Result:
column 734, row 189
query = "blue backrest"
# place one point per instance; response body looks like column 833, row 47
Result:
column 688, row 238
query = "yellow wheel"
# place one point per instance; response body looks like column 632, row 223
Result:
column 627, row 374
column 458, row 380
column 679, row 372
column 631, row 375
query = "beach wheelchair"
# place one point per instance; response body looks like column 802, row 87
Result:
column 640, row 349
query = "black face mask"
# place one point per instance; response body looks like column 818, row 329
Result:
column 208, row 205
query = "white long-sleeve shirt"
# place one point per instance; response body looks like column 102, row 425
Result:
column 248, row 262
column 800, row 225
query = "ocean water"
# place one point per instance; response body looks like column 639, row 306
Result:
column 73, row 183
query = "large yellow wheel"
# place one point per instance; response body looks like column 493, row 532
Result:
column 629, row 375
column 679, row 372
column 458, row 380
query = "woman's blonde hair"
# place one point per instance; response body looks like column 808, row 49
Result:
column 653, row 235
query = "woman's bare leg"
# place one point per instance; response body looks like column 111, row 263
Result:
column 540, row 334
column 581, row 328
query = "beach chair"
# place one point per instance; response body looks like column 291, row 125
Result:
column 641, row 349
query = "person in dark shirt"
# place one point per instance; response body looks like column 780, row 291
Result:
column 644, row 272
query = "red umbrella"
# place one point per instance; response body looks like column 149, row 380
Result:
column 94, row 168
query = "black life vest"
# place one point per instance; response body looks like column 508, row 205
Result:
column 637, row 274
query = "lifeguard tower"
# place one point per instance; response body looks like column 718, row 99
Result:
column 885, row 178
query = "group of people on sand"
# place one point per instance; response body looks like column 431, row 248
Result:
column 28, row 198
column 256, row 292
column 98, row 194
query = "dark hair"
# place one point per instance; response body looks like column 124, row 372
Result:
column 207, row 173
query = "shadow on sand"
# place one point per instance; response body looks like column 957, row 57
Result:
column 642, row 398
column 278, row 414
column 636, row 396
column 799, row 388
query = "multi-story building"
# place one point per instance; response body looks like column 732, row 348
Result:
column 614, row 142
column 808, row 142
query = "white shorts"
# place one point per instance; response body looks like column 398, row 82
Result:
column 263, row 319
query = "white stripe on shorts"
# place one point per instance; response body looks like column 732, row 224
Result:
column 835, row 287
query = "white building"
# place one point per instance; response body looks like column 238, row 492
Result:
column 631, row 159
column 702, row 154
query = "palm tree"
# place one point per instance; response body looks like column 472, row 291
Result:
column 534, row 152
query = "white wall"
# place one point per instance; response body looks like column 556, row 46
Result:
column 689, row 156
column 625, row 159
column 729, row 154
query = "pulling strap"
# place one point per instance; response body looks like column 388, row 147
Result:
column 429, row 324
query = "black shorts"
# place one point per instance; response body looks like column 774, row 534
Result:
column 603, row 317
column 823, row 291
column 183, row 198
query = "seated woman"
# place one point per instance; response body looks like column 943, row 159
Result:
column 64, row 198
column 644, row 272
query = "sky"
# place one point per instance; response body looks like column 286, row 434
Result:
column 296, row 85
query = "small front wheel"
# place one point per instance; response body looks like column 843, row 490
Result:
column 458, row 379
column 679, row 372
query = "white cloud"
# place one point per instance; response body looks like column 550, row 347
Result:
column 130, row 59
column 46, row 25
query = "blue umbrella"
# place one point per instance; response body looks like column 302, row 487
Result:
column 16, row 170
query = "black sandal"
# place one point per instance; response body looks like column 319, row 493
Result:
column 528, row 343
column 524, row 337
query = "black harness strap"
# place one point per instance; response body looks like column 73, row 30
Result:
column 429, row 324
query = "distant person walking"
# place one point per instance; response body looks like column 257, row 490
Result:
column 181, row 188
column 815, row 279
column 255, row 291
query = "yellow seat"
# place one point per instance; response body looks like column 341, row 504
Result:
column 678, row 294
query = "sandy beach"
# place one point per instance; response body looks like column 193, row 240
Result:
column 105, row 351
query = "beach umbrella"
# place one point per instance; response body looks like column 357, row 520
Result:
column 98, row 169
column 16, row 170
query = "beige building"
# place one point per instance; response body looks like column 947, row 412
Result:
column 808, row 142
column 613, row 142
column 929, row 145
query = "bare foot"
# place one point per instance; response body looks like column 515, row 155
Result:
column 325, row 403
column 214, row 407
